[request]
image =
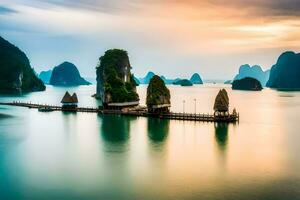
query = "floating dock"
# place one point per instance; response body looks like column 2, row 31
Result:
column 140, row 113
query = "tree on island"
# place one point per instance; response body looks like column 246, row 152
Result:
column 158, row 95
column 115, row 83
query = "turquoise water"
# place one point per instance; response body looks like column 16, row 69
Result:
column 65, row 156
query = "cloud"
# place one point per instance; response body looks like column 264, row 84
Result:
column 4, row 10
column 104, row 6
column 158, row 33
column 271, row 8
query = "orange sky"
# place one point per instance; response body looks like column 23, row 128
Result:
column 212, row 37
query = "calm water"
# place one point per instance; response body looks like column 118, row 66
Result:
column 88, row 156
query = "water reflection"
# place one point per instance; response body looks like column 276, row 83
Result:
column 10, row 136
column 69, row 123
column 221, row 134
column 158, row 130
column 3, row 116
column 115, row 129
column 9, row 186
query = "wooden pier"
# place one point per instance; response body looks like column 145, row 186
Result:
column 141, row 113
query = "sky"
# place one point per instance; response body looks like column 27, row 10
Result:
column 174, row 38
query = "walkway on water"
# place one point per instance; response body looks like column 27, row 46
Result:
column 140, row 113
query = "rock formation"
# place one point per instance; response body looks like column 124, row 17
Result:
column 253, row 72
column 228, row 82
column 115, row 83
column 137, row 81
column 247, row 84
column 147, row 78
column 196, row 79
column 183, row 82
column 16, row 74
column 157, row 92
column 285, row 74
column 168, row 81
column 45, row 76
column 222, row 102
column 67, row 74
column 150, row 74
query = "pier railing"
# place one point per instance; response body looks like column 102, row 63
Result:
column 144, row 113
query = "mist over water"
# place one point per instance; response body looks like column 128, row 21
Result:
column 59, row 155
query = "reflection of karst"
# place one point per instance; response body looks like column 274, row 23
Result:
column 221, row 134
column 158, row 129
column 115, row 128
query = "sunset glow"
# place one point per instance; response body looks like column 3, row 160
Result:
column 193, row 32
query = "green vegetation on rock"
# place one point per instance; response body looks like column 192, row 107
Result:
column 115, row 83
column 157, row 92
column 16, row 74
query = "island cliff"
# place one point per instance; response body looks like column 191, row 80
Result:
column 183, row 82
column 45, row 76
column 247, row 84
column 196, row 79
column 147, row 78
column 115, row 83
column 285, row 74
column 16, row 74
column 67, row 74
column 255, row 72
column 158, row 96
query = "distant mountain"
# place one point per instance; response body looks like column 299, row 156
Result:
column 45, row 76
column 147, row 78
column 285, row 74
column 168, row 81
column 247, row 84
column 92, row 80
column 253, row 72
column 137, row 81
column 183, row 82
column 67, row 74
column 228, row 82
column 196, row 79
column 16, row 74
